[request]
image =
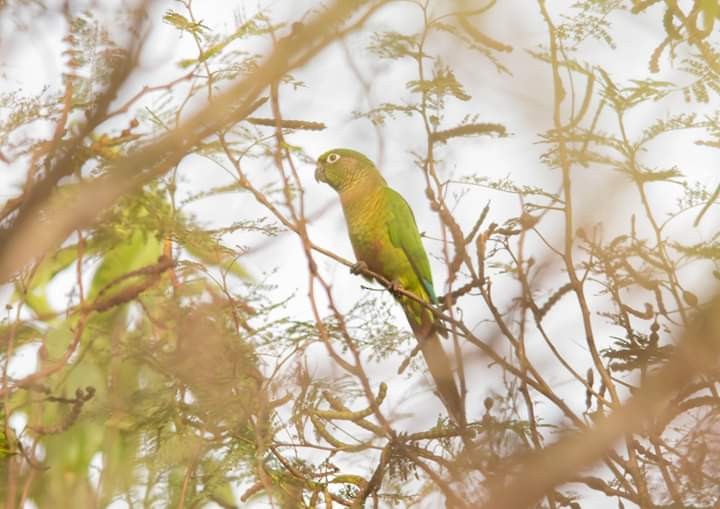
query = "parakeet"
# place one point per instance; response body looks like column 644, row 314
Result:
column 385, row 238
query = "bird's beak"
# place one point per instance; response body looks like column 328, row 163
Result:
column 320, row 173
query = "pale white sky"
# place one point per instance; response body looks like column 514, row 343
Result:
column 522, row 102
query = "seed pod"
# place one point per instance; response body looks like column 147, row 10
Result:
column 690, row 298
column 489, row 402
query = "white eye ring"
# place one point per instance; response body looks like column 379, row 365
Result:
column 332, row 158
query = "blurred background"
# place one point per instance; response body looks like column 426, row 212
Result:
column 175, row 333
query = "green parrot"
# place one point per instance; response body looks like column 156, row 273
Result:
column 386, row 240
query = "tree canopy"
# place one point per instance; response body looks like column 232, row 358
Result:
column 182, row 328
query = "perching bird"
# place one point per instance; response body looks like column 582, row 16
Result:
column 385, row 238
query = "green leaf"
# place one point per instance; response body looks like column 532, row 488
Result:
column 5, row 449
column 139, row 250
column 656, row 175
column 51, row 266
column 23, row 333
column 58, row 338
column 710, row 10
column 394, row 45
column 702, row 251
column 218, row 255
column 443, row 83
column 183, row 24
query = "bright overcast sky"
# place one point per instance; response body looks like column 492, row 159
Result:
column 332, row 92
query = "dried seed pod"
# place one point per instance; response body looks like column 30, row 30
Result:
column 489, row 402
column 690, row 298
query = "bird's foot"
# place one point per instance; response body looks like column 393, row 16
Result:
column 395, row 287
column 359, row 268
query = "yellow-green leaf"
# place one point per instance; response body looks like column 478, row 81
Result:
column 218, row 256
column 51, row 266
column 139, row 250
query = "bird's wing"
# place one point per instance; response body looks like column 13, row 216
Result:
column 404, row 234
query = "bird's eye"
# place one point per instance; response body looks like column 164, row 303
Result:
column 332, row 158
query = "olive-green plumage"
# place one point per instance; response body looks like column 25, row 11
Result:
column 385, row 237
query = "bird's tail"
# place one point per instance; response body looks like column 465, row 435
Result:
column 439, row 365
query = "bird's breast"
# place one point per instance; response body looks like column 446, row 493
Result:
column 366, row 219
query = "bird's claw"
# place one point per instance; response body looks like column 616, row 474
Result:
column 359, row 268
column 394, row 287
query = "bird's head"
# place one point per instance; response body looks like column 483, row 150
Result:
column 342, row 168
